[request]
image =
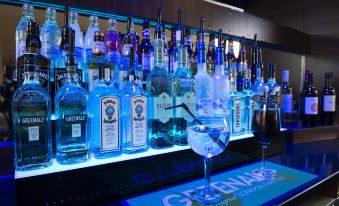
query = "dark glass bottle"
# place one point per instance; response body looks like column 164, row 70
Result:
column 173, row 52
column 286, row 98
column 328, row 101
column 242, row 65
column 310, row 104
column 302, row 94
column 211, row 55
column 231, row 59
column 254, row 59
column 146, row 50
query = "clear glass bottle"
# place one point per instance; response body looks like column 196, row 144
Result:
column 104, row 107
column 50, row 37
column 183, row 92
column 96, row 61
column 134, row 113
column 158, row 88
column 203, row 81
column 260, row 89
column 72, row 128
column 89, row 38
column 146, row 50
column 31, row 108
column 249, row 98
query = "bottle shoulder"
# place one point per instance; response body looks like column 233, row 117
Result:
column 71, row 89
column 28, row 90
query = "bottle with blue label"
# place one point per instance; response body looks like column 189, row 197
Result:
column 134, row 113
column 31, row 109
column 72, row 128
column 104, row 107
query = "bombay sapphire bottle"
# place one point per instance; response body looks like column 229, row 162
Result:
column 113, row 47
column 158, row 88
column 134, row 113
column 146, row 50
column 96, row 61
column 203, row 81
column 183, row 92
column 221, row 82
column 104, row 107
column 72, row 139
column 31, row 106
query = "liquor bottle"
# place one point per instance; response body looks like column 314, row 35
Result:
column 166, row 53
column 310, row 104
column 247, row 92
column 211, row 55
column 221, row 82
column 50, row 40
column 236, row 106
column 274, row 89
column 33, row 46
column 302, row 94
column 286, row 98
column 190, row 52
column 173, row 52
column 134, row 113
column 96, row 61
column 113, row 47
column 146, row 50
column 183, row 92
column 203, row 81
column 123, row 72
column 260, row 89
column 31, row 107
column 158, row 88
column 89, row 38
column 254, row 59
column 79, row 48
column 242, row 65
column 104, row 113
column 135, row 43
column 20, row 33
column 72, row 139
column 231, row 59
column 328, row 101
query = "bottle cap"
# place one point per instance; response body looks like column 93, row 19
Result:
column 98, row 36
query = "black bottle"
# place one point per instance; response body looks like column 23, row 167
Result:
column 328, row 101
column 310, row 101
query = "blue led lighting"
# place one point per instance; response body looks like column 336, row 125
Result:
column 6, row 144
column 7, row 176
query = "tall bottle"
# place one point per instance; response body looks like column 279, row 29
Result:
column 33, row 46
column 158, row 88
column 96, row 61
column 203, row 81
column 249, row 97
column 188, row 44
column 221, row 82
column 274, row 89
column 183, row 92
column 173, row 52
column 72, row 128
column 104, row 114
column 211, row 55
column 231, row 59
column 254, row 59
column 79, row 48
column 50, row 40
column 146, row 50
column 286, row 98
column 302, row 94
column 310, row 100
column 134, row 113
column 328, row 101
column 242, row 65
column 20, row 33
column 113, row 47
column 260, row 89
column 89, row 38
column 31, row 108
column 166, row 53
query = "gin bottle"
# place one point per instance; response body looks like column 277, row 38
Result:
column 221, row 82
column 236, row 106
column 96, row 61
column 183, row 92
column 249, row 99
column 31, row 107
column 32, row 53
column 104, row 107
column 20, row 33
column 72, row 139
column 203, row 81
column 146, row 50
column 134, row 113
column 158, row 88
column 113, row 47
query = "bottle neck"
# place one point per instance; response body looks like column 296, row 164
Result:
column 93, row 24
column 158, row 52
column 71, row 74
column 99, row 48
column 146, row 34
column 233, row 82
column 30, row 75
column 201, row 50
column 28, row 14
column 259, row 76
column 247, row 84
column 328, row 82
column 183, row 57
column 73, row 19
column 219, row 56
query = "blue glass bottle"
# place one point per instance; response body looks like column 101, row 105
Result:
column 96, row 60
column 274, row 91
column 183, row 92
column 72, row 128
column 166, row 53
column 31, row 107
column 104, row 107
column 146, row 50
column 173, row 53
column 260, row 89
column 134, row 113
column 158, row 88
column 249, row 99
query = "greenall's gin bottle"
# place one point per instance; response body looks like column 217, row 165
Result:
column 158, row 88
column 72, row 139
column 31, row 106
column 134, row 113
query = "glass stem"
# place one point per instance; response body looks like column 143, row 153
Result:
column 263, row 157
column 207, row 169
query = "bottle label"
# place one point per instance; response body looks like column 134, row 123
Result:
column 188, row 99
column 236, row 116
column 139, row 121
column 160, row 103
column 109, row 124
column 260, row 100
column 59, row 78
column 221, row 96
column 274, row 99
column 44, row 73
column 123, row 79
column 287, row 103
column 74, row 129
column 329, row 103
column 311, row 105
column 93, row 76
column 78, row 54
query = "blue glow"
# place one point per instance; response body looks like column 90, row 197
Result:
column 6, row 176
column 6, row 144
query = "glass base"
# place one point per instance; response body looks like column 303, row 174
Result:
column 212, row 196
column 263, row 174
